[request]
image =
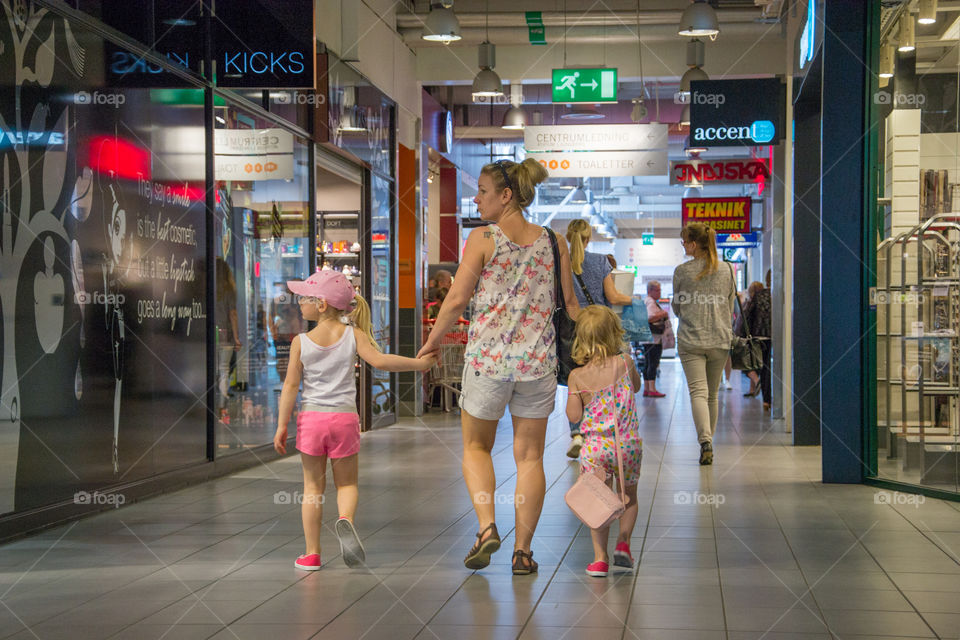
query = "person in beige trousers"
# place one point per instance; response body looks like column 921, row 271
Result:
column 703, row 298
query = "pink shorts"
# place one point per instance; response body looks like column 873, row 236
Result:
column 335, row 435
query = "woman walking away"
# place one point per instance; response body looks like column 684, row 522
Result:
column 593, row 285
column 758, row 317
column 328, row 425
column 601, row 396
column 659, row 320
column 703, row 298
column 511, row 349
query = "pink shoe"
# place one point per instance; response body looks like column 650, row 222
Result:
column 598, row 569
column 308, row 563
column 622, row 557
column 653, row 394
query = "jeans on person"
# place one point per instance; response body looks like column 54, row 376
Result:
column 574, row 429
column 703, row 369
column 651, row 359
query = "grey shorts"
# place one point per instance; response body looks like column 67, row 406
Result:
column 487, row 399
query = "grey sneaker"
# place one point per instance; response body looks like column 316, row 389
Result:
column 706, row 453
column 350, row 546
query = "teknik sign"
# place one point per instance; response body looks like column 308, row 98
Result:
column 736, row 113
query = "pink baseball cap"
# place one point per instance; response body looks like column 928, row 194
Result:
column 329, row 285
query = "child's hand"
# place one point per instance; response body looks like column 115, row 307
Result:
column 427, row 361
column 280, row 440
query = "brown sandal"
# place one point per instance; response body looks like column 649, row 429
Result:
column 523, row 563
column 479, row 556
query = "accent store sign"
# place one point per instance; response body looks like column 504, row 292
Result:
column 736, row 113
column 729, row 171
column 724, row 215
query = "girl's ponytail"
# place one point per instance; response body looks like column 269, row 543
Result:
column 578, row 235
column 360, row 318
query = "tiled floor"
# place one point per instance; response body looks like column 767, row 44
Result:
column 752, row 547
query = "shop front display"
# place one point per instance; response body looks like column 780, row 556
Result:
column 917, row 275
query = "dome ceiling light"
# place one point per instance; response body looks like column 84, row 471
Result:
column 928, row 11
column 487, row 84
column 441, row 24
column 908, row 33
column 699, row 19
column 582, row 112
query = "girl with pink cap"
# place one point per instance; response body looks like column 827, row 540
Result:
column 328, row 425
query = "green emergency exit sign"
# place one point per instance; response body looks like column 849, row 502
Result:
column 584, row 85
column 647, row 237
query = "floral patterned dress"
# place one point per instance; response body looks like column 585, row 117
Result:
column 612, row 406
column 512, row 336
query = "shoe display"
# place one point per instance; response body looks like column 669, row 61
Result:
column 598, row 569
column 309, row 562
column 576, row 443
column 350, row 546
column 706, row 453
column 621, row 556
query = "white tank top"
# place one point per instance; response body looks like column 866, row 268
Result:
column 329, row 377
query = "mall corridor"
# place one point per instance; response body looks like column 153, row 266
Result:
column 753, row 547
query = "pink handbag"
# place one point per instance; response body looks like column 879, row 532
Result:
column 591, row 499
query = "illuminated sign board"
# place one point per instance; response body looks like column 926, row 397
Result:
column 729, row 171
column 738, row 240
column 584, row 85
column 736, row 113
column 724, row 215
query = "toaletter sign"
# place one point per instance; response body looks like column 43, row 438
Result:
column 736, row 113
column 728, row 171
column 724, row 215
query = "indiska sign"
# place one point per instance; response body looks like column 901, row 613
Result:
column 732, row 171
column 724, row 215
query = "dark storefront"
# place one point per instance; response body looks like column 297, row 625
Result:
column 149, row 220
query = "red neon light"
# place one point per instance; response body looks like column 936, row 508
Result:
column 119, row 158
column 256, row 269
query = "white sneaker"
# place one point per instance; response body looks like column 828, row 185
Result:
column 727, row 385
column 576, row 442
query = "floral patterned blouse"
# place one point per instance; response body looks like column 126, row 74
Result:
column 511, row 331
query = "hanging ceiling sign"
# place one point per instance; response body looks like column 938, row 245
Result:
column 599, row 164
column 584, row 85
column 727, row 171
column 647, row 237
column 538, row 34
column 595, row 137
column 724, row 215
column 259, row 167
column 736, row 113
column 738, row 240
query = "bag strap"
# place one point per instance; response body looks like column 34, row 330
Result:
column 583, row 287
column 560, row 303
column 746, row 324
column 616, row 436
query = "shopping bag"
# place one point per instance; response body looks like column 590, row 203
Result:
column 634, row 321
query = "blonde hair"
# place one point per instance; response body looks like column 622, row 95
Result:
column 755, row 287
column 599, row 335
column 360, row 317
column 578, row 235
column 523, row 176
column 706, row 239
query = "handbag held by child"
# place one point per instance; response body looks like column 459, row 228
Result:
column 592, row 500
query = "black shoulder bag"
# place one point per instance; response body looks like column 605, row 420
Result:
column 562, row 322
column 745, row 353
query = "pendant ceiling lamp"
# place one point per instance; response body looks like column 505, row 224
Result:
column 928, row 11
column 515, row 118
column 694, row 71
column 699, row 19
column 685, row 115
column 487, row 84
column 886, row 61
column 441, row 24
column 908, row 33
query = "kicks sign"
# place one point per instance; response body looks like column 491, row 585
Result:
column 725, row 215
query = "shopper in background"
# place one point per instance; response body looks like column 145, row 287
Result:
column 440, row 280
column 593, row 285
column 758, row 317
column 658, row 318
column 703, row 298
column 508, row 269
